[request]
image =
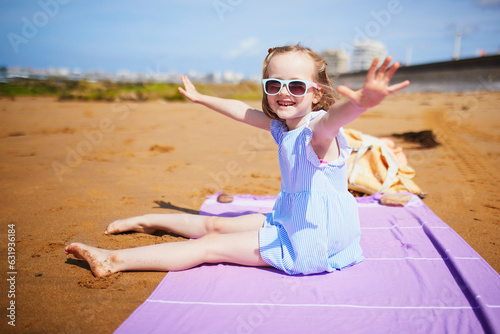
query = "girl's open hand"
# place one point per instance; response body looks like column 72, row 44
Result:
column 376, row 86
column 189, row 90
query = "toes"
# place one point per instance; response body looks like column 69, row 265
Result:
column 126, row 225
column 74, row 250
column 112, row 228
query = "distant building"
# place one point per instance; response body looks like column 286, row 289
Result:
column 231, row 77
column 364, row 53
column 213, row 77
column 337, row 60
column 149, row 75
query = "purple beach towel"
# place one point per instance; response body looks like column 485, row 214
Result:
column 418, row 276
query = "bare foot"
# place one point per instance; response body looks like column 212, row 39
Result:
column 101, row 261
column 137, row 224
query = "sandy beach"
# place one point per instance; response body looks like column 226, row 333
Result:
column 68, row 169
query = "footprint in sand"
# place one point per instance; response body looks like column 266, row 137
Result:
column 99, row 282
column 161, row 148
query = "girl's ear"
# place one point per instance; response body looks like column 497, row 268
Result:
column 318, row 94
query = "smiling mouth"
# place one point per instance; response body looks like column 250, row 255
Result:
column 285, row 103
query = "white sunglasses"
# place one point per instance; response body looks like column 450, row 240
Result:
column 295, row 87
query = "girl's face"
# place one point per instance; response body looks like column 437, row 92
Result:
column 293, row 109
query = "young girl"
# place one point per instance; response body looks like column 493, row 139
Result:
column 314, row 224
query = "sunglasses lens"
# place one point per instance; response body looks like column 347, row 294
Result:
column 273, row 87
column 297, row 88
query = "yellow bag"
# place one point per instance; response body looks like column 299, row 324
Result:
column 374, row 168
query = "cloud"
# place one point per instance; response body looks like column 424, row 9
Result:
column 488, row 3
column 248, row 46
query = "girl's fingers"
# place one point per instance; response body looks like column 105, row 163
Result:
column 189, row 91
column 185, row 81
column 383, row 67
column 398, row 86
column 392, row 70
column 372, row 70
column 188, row 86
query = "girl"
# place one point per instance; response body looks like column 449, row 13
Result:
column 314, row 225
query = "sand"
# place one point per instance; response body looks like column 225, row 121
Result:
column 68, row 169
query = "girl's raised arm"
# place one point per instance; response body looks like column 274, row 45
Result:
column 234, row 109
column 375, row 89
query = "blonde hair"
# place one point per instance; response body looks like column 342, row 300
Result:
column 329, row 95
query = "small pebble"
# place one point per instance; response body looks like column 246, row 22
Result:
column 224, row 198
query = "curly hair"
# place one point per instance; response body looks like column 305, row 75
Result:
column 329, row 94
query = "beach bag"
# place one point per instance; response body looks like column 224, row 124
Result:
column 373, row 167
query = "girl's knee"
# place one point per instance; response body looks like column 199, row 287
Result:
column 211, row 248
column 241, row 248
column 214, row 224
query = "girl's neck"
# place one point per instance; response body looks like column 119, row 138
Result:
column 294, row 123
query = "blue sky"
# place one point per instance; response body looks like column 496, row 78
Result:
column 221, row 35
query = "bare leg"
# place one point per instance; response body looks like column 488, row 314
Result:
column 188, row 225
column 240, row 248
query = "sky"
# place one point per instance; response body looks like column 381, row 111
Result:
column 233, row 35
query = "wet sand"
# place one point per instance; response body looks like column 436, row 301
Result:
column 68, row 169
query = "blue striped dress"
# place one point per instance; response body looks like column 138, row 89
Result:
column 314, row 225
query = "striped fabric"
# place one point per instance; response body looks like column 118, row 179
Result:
column 314, row 225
